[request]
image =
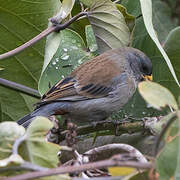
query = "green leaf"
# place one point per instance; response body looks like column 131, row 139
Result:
column 9, row 132
column 146, row 8
column 108, row 24
column 133, row 7
column 177, row 172
column 90, row 38
column 36, row 148
column 69, row 55
column 166, row 162
column 157, row 95
column 172, row 47
column 21, row 21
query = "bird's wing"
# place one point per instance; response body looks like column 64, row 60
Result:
column 93, row 79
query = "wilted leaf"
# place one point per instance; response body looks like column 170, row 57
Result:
column 108, row 24
column 70, row 54
column 157, row 95
column 21, row 21
column 36, row 148
column 146, row 8
column 9, row 132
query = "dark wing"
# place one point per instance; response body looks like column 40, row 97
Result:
column 69, row 89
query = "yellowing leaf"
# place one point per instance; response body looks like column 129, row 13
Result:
column 121, row 171
column 157, row 95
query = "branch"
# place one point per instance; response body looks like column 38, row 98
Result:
column 114, row 161
column 19, row 87
column 118, row 126
column 54, row 28
column 25, row 166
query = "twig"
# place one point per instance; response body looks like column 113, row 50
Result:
column 19, row 87
column 54, row 28
column 162, row 133
column 114, row 161
column 17, row 142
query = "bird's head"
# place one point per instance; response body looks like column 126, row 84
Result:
column 140, row 64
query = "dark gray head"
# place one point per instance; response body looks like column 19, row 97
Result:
column 140, row 64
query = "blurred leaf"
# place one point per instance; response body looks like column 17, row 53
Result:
column 157, row 95
column 21, row 21
column 108, row 24
column 146, row 7
column 9, row 132
column 162, row 19
column 70, row 54
column 121, row 171
column 64, row 11
column 172, row 47
column 36, row 148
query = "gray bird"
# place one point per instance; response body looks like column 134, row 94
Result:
column 95, row 89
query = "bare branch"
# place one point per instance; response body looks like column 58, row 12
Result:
column 54, row 28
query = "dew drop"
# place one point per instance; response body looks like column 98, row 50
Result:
column 57, row 67
column 79, row 61
column 57, row 59
column 65, row 57
column 65, row 49
column 54, row 63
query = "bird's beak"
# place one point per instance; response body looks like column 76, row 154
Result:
column 148, row 77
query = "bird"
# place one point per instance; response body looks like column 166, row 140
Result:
column 95, row 89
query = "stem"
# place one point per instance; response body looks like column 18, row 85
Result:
column 54, row 28
column 19, row 87
column 17, row 142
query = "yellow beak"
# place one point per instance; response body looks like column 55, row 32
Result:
column 147, row 77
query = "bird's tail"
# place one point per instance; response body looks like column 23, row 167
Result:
column 45, row 110
column 26, row 120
